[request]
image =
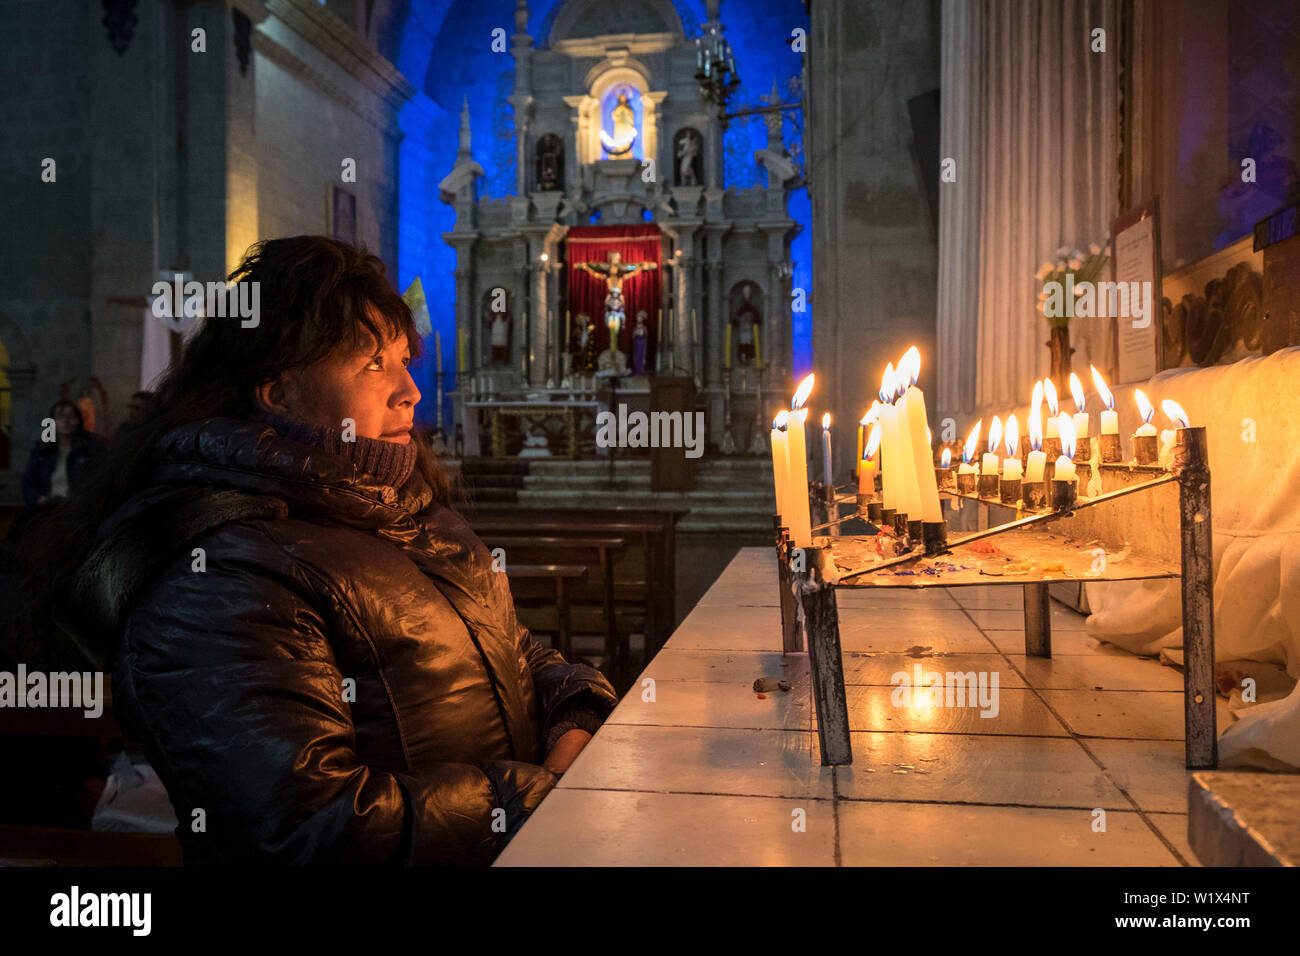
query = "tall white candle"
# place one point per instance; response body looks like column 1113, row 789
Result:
column 826, row 450
column 891, row 470
column 800, row 520
column 913, row 401
column 780, row 460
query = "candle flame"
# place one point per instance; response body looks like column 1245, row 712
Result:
column 1013, row 438
column 782, row 418
column 945, row 460
column 1036, row 403
column 1076, row 389
column 1067, row 435
column 1145, row 408
column 995, row 434
column 1107, row 397
column 887, row 385
column 872, row 414
column 826, row 421
column 801, row 394
column 1049, row 393
column 910, row 366
column 873, row 442
column 1175, row 413
column 1036, row 430
column 968, row 453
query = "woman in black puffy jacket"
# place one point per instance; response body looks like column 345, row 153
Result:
column 314, row 650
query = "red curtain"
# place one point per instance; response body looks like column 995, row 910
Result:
column 638, row 243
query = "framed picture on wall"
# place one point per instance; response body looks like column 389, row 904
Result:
column 1135, row 261
column 341, row 214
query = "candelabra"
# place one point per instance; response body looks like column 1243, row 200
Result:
column 715, row 69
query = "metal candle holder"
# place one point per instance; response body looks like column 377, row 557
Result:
column 1064, row 493
column 988, row 485
column 966, row 482
column 1083, row 449
column 1052, row 447
column 1109, row 447
column 1034, row 493
column 875, row 513
column 935, row 536
column 1146, row 449
column 1009, row 490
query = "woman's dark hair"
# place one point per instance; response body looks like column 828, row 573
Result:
column 76, row 410
column 313, row 293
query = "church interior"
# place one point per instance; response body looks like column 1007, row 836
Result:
column 795, row 359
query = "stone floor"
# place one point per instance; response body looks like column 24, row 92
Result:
column 705, row 772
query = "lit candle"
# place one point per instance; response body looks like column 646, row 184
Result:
column 1167, row 438
column 1065, row 464
column 911, row 504
column 967, row 466
column 913, row 402
column 1037, row 463
column 1081, row 415
column 1109, row 417
column 1011, row 464
column 780, row 460
column 1053, row 408
column 867, row 463
column 990, row 460
column 945, row 459
column 800, row 521
column 1146, row 410
column 895, row 497
column 826, row 450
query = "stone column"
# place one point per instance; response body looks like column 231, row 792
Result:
column 716, row 338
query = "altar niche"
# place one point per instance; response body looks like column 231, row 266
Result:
column 688, row 159
column 498, row 327
column 548, row 164
column 744, row 341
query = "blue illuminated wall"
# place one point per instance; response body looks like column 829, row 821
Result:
column 446, row 52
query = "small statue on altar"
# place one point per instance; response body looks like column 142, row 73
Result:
column 584, row 345
column 612, row 273
column 640, row 343
column 688, row 148
column 747, row 322
column 499, row 336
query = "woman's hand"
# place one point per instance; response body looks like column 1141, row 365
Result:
column 566, row 751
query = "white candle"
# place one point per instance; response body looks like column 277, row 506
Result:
column 1053, row 428
column 891, row 470
column 799, row 520
column 1081, row 415
column 907, row 466
column 1011, row 464
column 780, row 460
column 1036, row 466
column 1065, row 464
column 826, row 450
column 1145, row 429
column 989, row 463
column 922, row 454
column 968, row 451
column 1109, row 417
column 1049, row 393
column 1037, row 462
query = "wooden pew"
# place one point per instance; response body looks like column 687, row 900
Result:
column 532, row 581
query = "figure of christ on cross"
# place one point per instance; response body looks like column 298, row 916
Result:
column 613, row 273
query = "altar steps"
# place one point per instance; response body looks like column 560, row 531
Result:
column 732, row 495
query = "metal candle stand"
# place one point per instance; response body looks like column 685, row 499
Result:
column 809, row 609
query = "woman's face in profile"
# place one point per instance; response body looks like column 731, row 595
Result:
column 372, row 387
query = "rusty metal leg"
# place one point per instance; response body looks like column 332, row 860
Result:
column 826, row 660
column 1191, row 465
column 1038, row 620
column 791, row 638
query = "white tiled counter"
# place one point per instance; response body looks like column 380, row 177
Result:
column 704, row 772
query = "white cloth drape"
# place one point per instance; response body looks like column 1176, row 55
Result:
column 1029, row 115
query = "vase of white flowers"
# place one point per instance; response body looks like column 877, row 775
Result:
column 1084, row 267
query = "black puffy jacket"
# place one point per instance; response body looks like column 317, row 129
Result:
column 337, row 676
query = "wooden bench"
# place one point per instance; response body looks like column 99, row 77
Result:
column 600, row 551
column 650, row 535
column 544, row 581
